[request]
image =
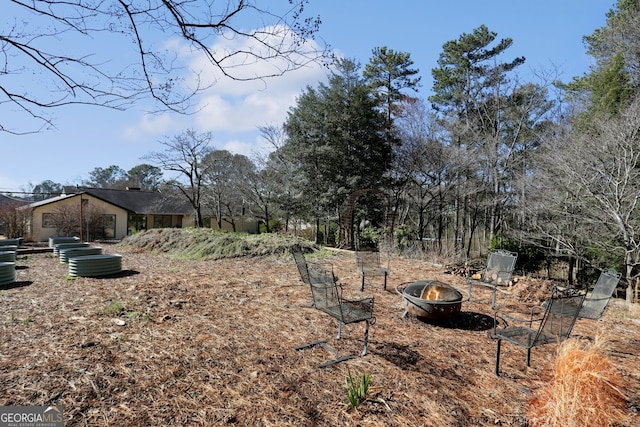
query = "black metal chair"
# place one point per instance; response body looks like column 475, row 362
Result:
column 368, row 263
column 500, row 266
column 599, row 297
column 559, row 314
column 302, row 265
column 328, row 298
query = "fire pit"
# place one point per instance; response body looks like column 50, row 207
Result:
column 430, row 299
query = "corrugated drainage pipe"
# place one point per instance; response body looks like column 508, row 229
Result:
column 67, row 253
column 7, row 256
column 95, row 265
column 55, row 240
column 58, row 246
column 9, row 242
column 7, row 273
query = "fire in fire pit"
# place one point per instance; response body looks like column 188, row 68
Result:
column 431, row 299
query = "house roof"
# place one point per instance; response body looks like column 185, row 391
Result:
column 9, row 200
column 134, row 201
column 142, row 202
column 49, row 200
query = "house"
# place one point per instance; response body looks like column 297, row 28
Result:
column 114, row 214
column 106, row 213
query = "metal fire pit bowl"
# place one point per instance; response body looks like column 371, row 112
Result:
column 430, row 299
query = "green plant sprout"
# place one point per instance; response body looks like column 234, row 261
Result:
column 357, row 389
column 114, row 308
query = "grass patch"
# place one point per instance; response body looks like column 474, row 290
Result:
column 136, row 315
column 16, row 319
column 114, row 308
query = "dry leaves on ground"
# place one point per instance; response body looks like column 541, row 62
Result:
column 178, row 342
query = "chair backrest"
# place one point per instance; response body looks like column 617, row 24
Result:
column 500, row 266
column 301, row 263
column 596, row 302
column 368, row 259
column 326, row 295
column 560, row 315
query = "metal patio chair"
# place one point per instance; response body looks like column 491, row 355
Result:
column 500, row 266
column 559, row 314
column 368, row 263
column 328, row 298
column 599, row 297
column 302, row 265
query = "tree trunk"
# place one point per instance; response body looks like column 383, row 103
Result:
column 628, row 276
column 570, row 272
column 266, row 218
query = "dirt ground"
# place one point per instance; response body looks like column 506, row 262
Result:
column 170, row 342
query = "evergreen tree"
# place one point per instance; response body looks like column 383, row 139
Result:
column 389, row 73
column 336, row 136
column 492, row 119
column 613, row 79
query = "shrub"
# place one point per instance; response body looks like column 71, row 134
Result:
column 584, row 390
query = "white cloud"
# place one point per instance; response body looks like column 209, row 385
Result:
column 258, row 146
column 244, row 112
column 230, row 106
column 238, row 147
column 149, row 124
column 238, row 106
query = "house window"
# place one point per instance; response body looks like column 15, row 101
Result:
column 136, row 223
column 48, row 220
column 161, row 221
column 109, row 226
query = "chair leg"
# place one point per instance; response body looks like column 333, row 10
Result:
column 493, row 298
column 362, row 287
column 528, row 357
column 385, row 280
column 366, row 337
column 339, row 329
column 497, row 369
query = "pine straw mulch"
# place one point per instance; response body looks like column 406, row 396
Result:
column 205, row 343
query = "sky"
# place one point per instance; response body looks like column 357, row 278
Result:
column 549, row 34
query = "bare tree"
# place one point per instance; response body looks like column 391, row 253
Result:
column 66, row 219
column 227, row 177
column 427, row 167
column 275, row 182
column 185, row 154
column 52, row 43
column 596, row 177
column 13, row 220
